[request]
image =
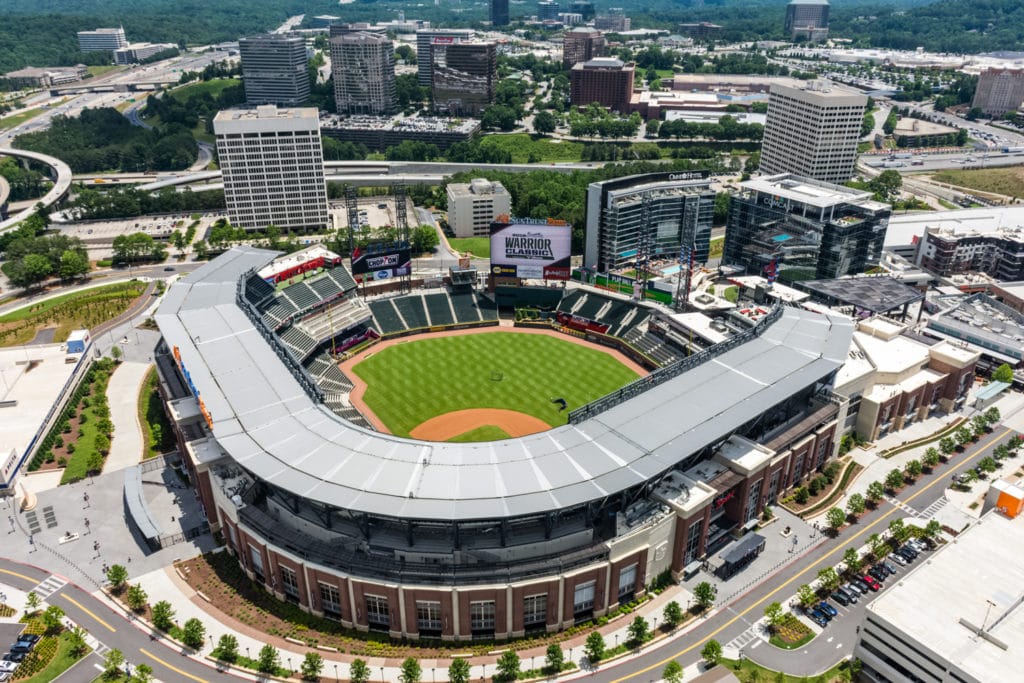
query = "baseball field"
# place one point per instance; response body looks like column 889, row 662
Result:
column 483, row 387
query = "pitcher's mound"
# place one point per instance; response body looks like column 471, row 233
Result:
column 456, row 423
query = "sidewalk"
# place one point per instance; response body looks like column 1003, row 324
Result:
column 122, row 395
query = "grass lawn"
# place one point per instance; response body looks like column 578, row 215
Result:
column 523, row 145
column 717, row 247
column 485, row 433
column 101, row 69
column 86, row 308
column 791, row 634
column 157, row 436
column 1006, row 180
column 748, row 671
column 214, row 87
column 62, row 660
column 732, row 294
column 478, row 246
column 18, row 119
column 404, row 380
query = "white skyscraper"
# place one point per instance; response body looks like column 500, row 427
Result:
column 273, row 167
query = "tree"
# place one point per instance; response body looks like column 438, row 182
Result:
column 721, row 212
column 639, row 632
column 177, row 239
column 544, row 122
column 1001, row 452
column 979, row 425
column 359, row 672
column 930, row 458
column 424, row 238
column 988, row 464
column 887, row 185
column 72, row 264
column 894, row 479
column 268, row 660
column 410, row 671
column 53, row 619
column 932, row 529
column 227, row 649
column 116, row 353
column 34, row 269
column 163, row 615
column 914, row 469
column 112, row 664
column 143, row 673
column 76, row 641
column 876, row 490
column 774, row 614
column 856, row 504
column 672, row 673
column 498, row 116
column 947, row 446
column 102, row 444
column 554, row 659
column 877, row 545
column 193, row 633
column 593, row 648
column 704, row 593
column 117, row 575
column 898, row 530
column 852, row 561
column 963, row 436
column 806, row 596
column 992, row 415
column 835, row 518
column 136, row 597
column 828, row 578
column 1004, row 373
column 712, row 652
column 672, row 615
column 507, row 666
column 312, row 665
column 32, row 602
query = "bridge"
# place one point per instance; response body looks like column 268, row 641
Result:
column 57, row 192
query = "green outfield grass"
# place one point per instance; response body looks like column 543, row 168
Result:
column 478, row 246
column 410, row 383
column 486, row 433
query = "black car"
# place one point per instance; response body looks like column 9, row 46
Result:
column 841, row 598
column 28, row 638
column 889, row 567
column 907, row 555
column 818, row 618
column 878, row 573
column 862, row 585
column 14, row 656
column 850, row 595
column 909, row 549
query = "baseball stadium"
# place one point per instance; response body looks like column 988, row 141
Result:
column 426, row 464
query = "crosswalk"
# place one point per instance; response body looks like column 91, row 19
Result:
column 49, row 586
column 902, row 506
column 934, row 508
column 744, row 639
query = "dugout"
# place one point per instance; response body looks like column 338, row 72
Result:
column 545, row 298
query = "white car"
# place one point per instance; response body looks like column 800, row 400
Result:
column 8, row 667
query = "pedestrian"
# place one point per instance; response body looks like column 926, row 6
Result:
column 87, row 524
column 10, row 518
column 85, row 497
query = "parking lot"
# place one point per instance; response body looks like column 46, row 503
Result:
column 159, row 227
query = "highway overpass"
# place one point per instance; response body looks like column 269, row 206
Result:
column 57, row 192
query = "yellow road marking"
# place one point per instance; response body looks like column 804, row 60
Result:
column 171, row 667
column 87, row 611
column 796, row 576
column 20, row 576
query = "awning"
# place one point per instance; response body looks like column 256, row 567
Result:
column 749, row 544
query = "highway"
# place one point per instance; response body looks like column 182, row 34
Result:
column 56, row 193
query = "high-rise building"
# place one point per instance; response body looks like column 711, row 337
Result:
column 425, row 41
column 807, row 19
column 814, row 229
column 581, row 45
column 654, row 214
column 137, row 52
column 102, row 40
column 999, row 91
column 363, row 67
column 473, row 206
column 813, row 131
column 464, row 77
column 584, row 8
column 605, row 80
column 499, row 12
column 272, row 165
column 274, row 69
column 547, row 10
column 616, row 22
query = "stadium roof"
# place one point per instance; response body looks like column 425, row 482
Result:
column 269, row 425
column 876, row 294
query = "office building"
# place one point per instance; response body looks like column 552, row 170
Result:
column 102, row 40
column 584, row 8
column 605, row 80
column 952, row 250
column 426, row 39
column 547, row 10
column 581, row 45
column 272, row 165
column 615, row 21
column 380, row 132
column 35, row 77
column 473, row 206
column 813, row 229
column 651, row 215
column 813, row 131
column 464, row 77
column 499, row 12
column 993, row 328
column 807, row 20
column 957, row 616
column 138, row 52
column 363, row 67
column 274, row 69
column 700, row 31
column 999, row 91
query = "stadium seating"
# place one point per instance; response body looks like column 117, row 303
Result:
column 591, row 306
column 302, row 295
column 466, row 309
column 257, row 289
column 298, row 342
column 342, row 278
column 277, row 311
column 439, row 309
column 386, row 316
column 324, row 287
column 341, row 315
column 571, row 300
column 412, row 311
column 652, row 346
column 488, row 308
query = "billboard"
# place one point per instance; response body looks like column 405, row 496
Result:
column 382, row 263
column 531, row 249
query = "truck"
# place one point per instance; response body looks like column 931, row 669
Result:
column 1012, row 150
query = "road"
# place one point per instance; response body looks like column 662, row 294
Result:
column 838, row 640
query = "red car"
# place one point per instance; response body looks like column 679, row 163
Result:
column 871, row 581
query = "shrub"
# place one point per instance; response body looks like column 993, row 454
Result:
column 801, row 495
column 136, row 598
column 594, row 647
column 508, row 666
column 227, row 649
column 163, row 615
column 554, row 658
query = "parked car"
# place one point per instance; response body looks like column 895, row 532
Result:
column 878, row 574
column 872, row 582
column 7, row 666
column 828, row 609
column 889, row 567
column 15, row 657
column 851, row 587
column 861, row 585
column 898, row 559
column 917, row 544
column 840, row 598
column 909, row 550
column 848, row 593
column 29, row 638
column 818, row 617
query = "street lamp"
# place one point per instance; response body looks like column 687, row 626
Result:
column 382, row 674
column 336, row 678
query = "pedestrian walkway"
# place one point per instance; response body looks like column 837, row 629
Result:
column 48, row 587
column 122, row 395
